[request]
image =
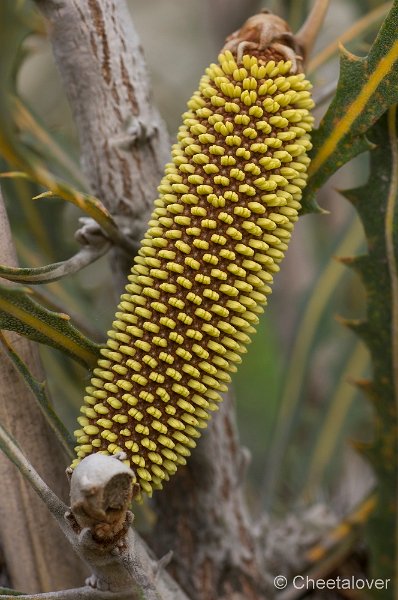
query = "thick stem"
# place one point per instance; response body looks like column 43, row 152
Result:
column 28, row 536
column 203, row 518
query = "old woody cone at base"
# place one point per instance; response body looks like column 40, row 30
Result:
column 220, row 227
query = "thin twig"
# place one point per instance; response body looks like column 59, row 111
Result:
column 81, row 593
column 49, row 273
column 11, row 449
column 309, row 31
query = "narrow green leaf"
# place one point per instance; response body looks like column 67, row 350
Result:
column 55, row 271
column 377, row 205
column 39, row 391
column 46, row 144
column 366, row 88
column 328, row 435
column 330, row 275
column 361, row 26
column 18, row 155
column 15, row 175
column 89, row 204
column 9, row 592
column 30, row 167
column 20, row 313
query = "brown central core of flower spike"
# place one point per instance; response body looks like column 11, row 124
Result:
column 218, row 291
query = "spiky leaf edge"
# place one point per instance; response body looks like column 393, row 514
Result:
column 376, row 204
column 366, row 88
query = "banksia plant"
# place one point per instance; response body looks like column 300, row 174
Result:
column 220, row 227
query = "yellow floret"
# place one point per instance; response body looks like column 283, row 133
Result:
column 220, row 226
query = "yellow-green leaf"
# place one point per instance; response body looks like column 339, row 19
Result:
column 18, row 155
column 366, row 88
column 20, row 313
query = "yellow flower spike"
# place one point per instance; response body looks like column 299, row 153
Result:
column 221, row 223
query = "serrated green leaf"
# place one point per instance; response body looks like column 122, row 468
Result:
column 20, row 313
column 377, row 205
column 366, row 88
column 39, row 391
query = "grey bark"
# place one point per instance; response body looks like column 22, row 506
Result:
column 27, row 536
column 124, row 143
column 203, row 518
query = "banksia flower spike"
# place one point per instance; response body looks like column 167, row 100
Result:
column 220, row 227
